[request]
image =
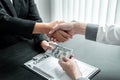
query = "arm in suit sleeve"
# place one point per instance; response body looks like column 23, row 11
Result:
column 34, row 15
column 108, row 34
column 8, row 24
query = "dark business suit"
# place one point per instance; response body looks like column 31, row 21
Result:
column 17, row 20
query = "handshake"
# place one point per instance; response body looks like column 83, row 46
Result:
column 60, row 31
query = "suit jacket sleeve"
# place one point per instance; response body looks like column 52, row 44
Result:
column 24, row 26
column 34, row 15
column 8, row 24
column 108, row 34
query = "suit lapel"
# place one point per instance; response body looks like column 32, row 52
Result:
column 10, row 7
column 17, row 5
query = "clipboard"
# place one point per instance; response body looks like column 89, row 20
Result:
column 48, row 67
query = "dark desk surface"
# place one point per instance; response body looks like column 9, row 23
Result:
column 105, row 57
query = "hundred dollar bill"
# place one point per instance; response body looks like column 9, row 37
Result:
column 59, row 51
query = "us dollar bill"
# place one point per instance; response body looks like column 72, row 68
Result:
column 59, row 51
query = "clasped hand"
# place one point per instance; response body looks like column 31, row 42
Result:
column 58, row 35
column 67, row 30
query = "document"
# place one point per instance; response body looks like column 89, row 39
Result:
column 47, row 65
column 59, row 51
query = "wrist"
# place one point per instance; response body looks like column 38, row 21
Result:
column 40, row 28
column 80, row 28
column 77, row 75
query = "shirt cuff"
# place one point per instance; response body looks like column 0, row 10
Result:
column 91, row 31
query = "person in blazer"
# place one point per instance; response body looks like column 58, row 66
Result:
column 19, row 19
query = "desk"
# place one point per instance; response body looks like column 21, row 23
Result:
column 105, row 57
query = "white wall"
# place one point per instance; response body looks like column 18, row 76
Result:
column 44, row 8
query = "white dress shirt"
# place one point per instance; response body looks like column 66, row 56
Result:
column 108, row 34
column 11, row 1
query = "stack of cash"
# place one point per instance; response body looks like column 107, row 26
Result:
column 59, row 51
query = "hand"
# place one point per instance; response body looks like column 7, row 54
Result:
column 70, row 67
column 44, row 27
column 46, row 45
column 49, row 26
column 70, row 28
column 60, row 36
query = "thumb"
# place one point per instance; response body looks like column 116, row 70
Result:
column 54, row 29
column 48, row 46
column 71, row 56
column 61, row 63
column 65, row 59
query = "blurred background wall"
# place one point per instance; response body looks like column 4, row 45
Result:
column 93, row 11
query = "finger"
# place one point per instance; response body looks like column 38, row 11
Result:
column 61, row 62
column 47, row 46
column 51, row 42
column 50, row 47
column 71, row 56
column 54, row 29
column 57, row 27
column 62, row 37
column 51, row 38
column 59, row 37
column 65, row 59
column 65, row 34
column 55, row 40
